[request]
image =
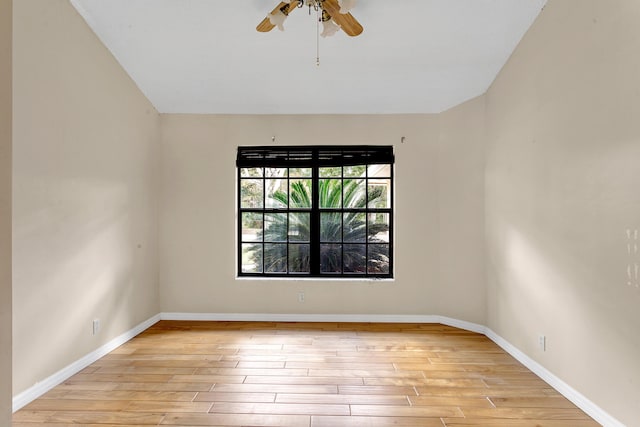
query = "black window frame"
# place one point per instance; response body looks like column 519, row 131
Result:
column 315, row 158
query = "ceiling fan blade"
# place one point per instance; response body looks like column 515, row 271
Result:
column 286, row 8
column 347, row 22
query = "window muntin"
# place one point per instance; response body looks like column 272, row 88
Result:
column 315, row 211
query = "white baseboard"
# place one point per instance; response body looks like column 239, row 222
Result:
column 347, row 318
column 593, row 410
column 271, row 317
column 29, row 395
column 462, row 324
column 578, row 399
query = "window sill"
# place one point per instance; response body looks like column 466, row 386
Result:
column 314, row 279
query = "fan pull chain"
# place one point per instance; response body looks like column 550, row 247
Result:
column 318, row 19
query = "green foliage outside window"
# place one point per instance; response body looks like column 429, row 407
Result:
column 343, row 234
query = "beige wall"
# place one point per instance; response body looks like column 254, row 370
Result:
column 461, row 254
column 85, row 193
column 435, row 172
column 562, row 176
column 5, row 212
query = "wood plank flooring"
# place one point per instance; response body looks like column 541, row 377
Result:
column 304, row 374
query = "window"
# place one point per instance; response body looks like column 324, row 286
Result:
column 321, row 211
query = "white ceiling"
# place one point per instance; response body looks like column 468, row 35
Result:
column 414, row 56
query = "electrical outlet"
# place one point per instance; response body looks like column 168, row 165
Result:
column 301, row 297
column 542, row 342
column 96, row 326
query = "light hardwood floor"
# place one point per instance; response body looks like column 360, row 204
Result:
column 304, row 374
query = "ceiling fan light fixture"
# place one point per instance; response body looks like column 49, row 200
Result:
column 329, row 28
column 277, row 19
column 346, row 5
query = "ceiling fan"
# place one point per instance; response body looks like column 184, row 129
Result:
column 334, row 15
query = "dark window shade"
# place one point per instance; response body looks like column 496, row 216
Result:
column 325, row 155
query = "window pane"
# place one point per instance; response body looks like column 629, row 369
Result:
column 331, row 227
column 300, row 172
column 379, row 171
column 276, row 193
column 354, row 193
column 330, row 191
column 251, row 193
column 355, row 258
column 330, row 172
column 378, row 259
column 299, row 258
column 330, row 258
column 379, row 193
column 251, row 258
column 355, row 171
column 251, row 172
column 299, row 226
column 251, row 227
column 275, row 172
column 275, row 227
column 300, row 193
column 354, row 226
column 378, row 227
column 275, row 258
